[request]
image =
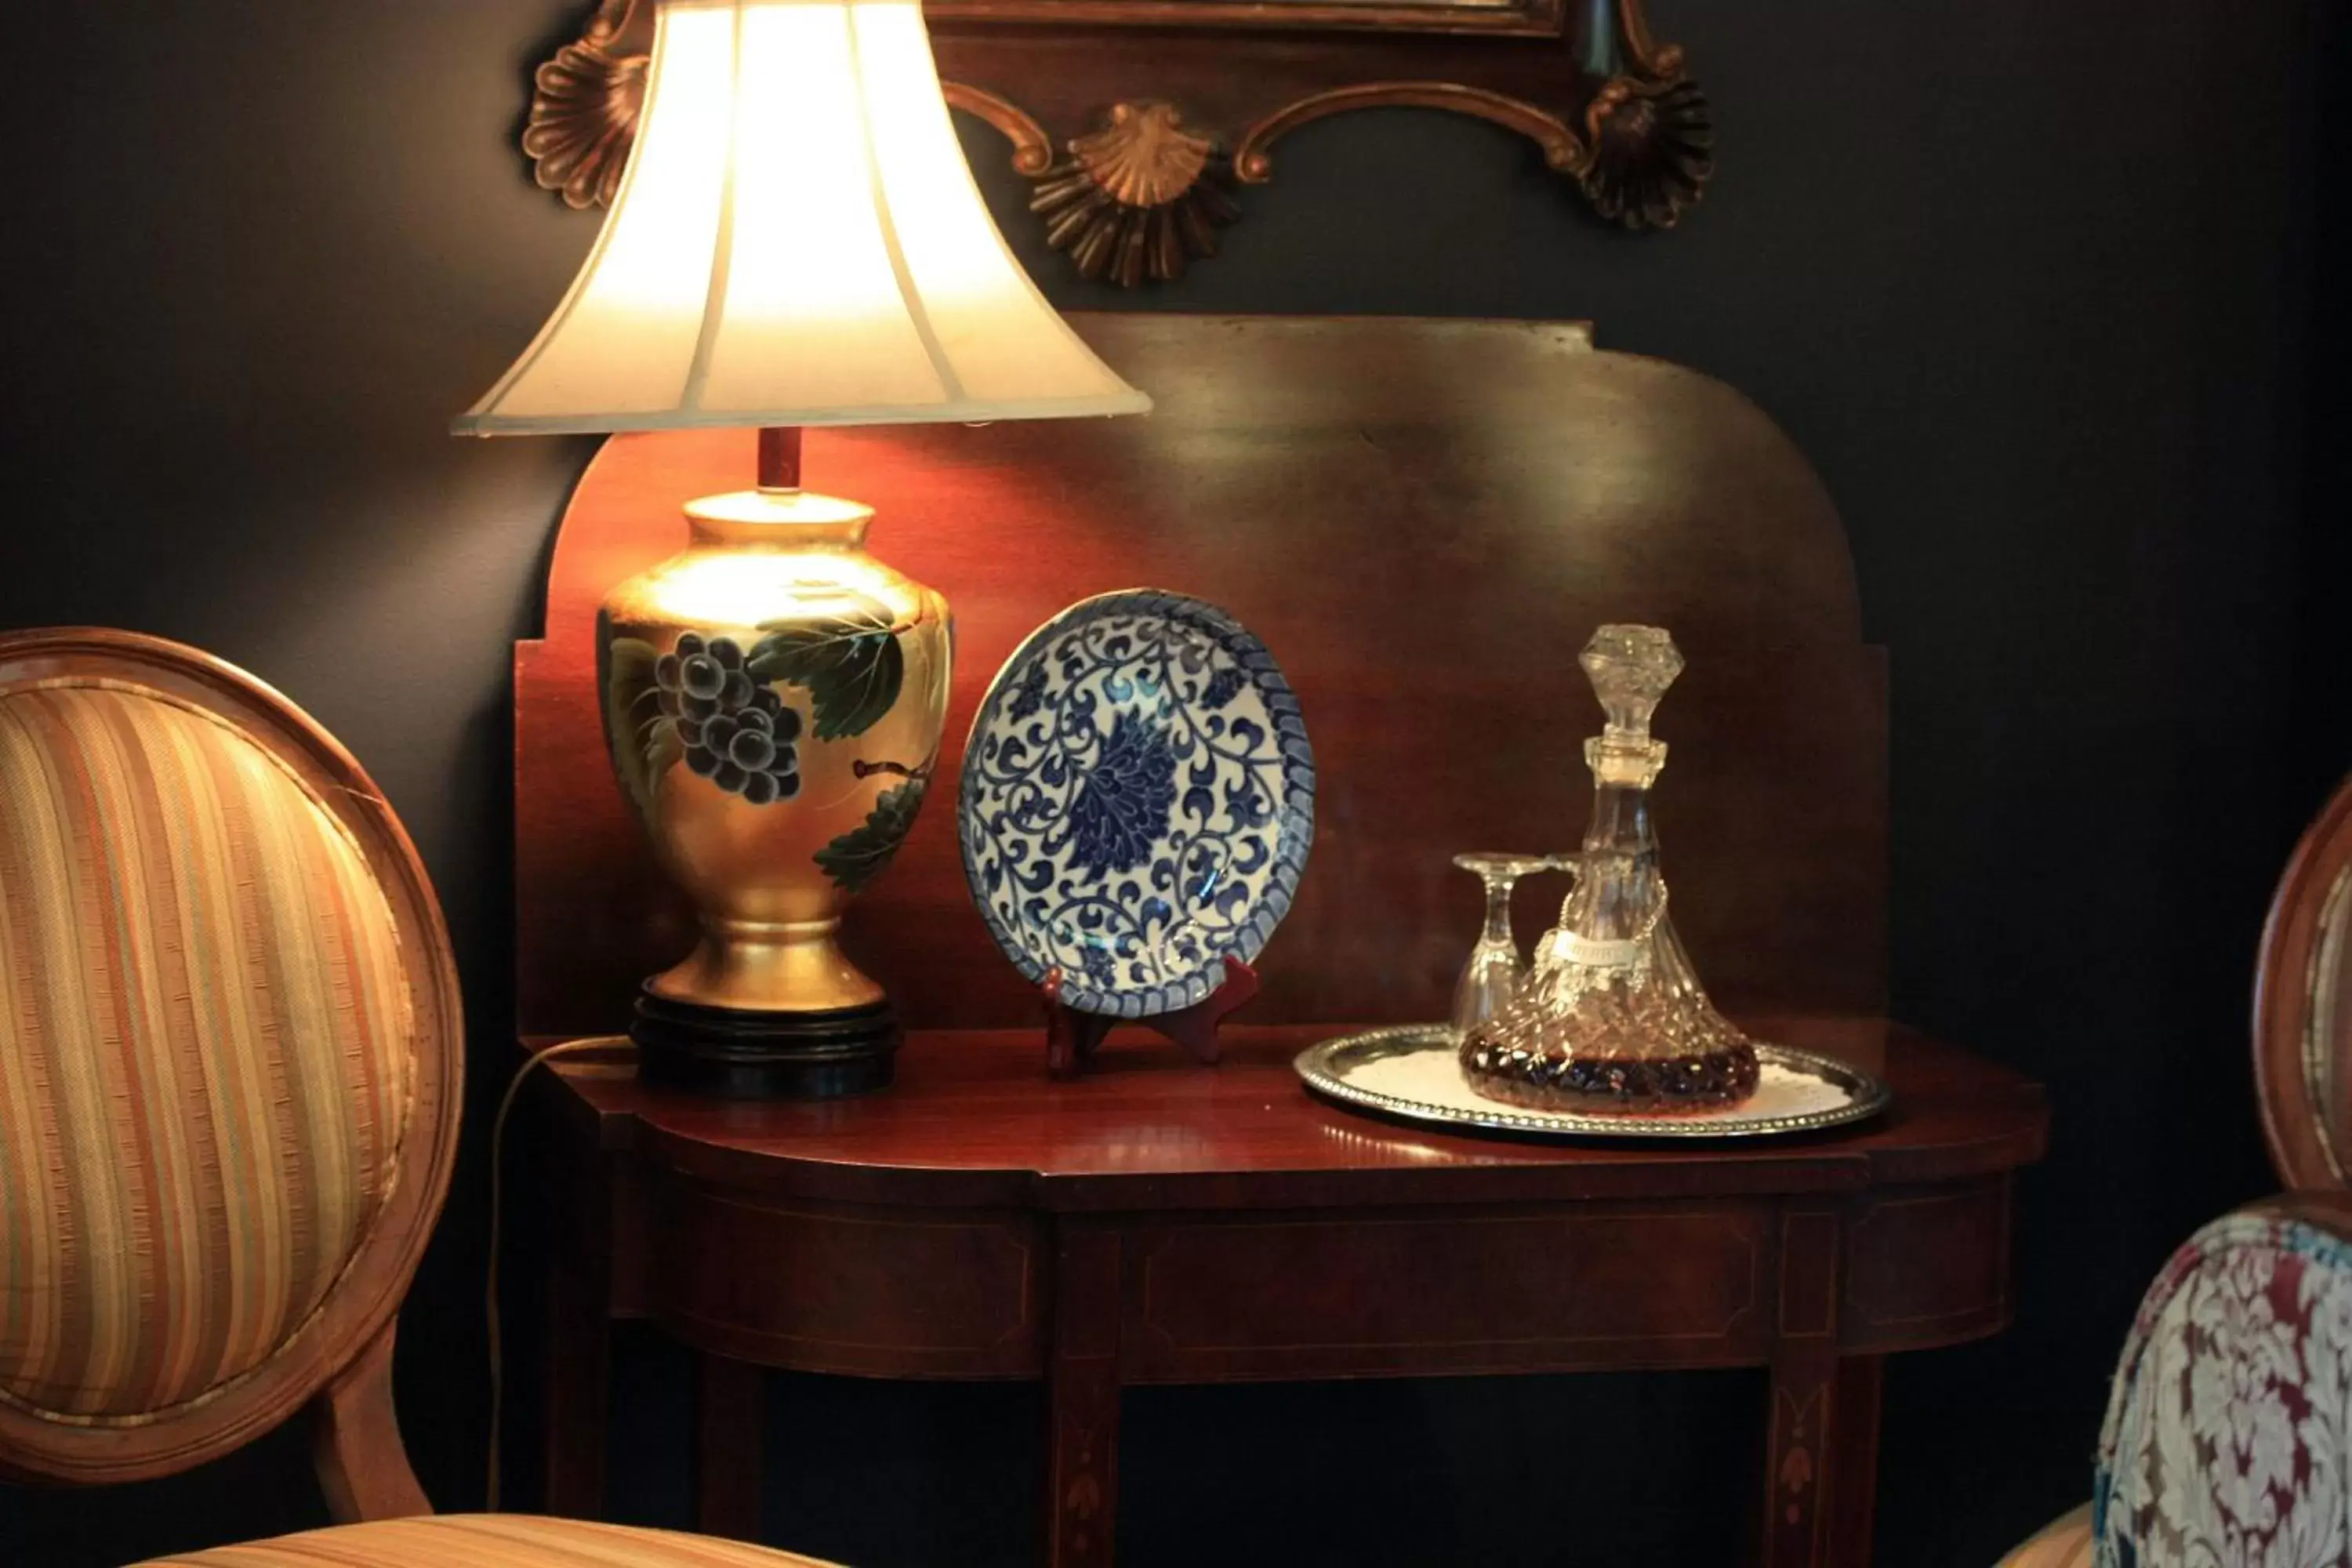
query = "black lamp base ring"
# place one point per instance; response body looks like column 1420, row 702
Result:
column 741, row 1055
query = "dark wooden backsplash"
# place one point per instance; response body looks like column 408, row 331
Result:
column 1425, row 520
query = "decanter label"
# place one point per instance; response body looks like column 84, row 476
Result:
column 1596, row 954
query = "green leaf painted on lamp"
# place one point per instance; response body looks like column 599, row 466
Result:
column 645, row 743
column 851, row 665
column 862, row 854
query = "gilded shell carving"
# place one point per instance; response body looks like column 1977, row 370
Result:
column 1144, row 157
column 584, row 112
column 1143, row 194
column 1140, row 197
column 1650, row 152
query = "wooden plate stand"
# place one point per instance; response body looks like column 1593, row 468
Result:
column 1071, row 1035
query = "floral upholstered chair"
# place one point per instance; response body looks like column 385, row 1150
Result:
column 229, row 1070
column 2229, row 1432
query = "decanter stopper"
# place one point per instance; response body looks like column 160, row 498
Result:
column 1613, row 1019
column 1630, row 668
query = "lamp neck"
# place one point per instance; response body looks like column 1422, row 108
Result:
column 778, row 520
column 780, row 458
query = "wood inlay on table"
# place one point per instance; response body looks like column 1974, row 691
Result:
column 1163, row 1223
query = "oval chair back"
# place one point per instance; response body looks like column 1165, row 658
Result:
column 2231, row 1413
column 2303, row 1008
column 229, row 1065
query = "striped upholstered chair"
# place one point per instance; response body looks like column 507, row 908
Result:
column 229, row 1075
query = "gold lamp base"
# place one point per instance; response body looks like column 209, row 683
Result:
column 774, row 701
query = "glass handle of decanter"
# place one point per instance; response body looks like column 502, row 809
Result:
column 1574, row 866
column 1657, row 912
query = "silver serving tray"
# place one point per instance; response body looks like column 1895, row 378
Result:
column 1801, row 1092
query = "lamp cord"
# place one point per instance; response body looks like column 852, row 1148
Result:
column 491, row 1291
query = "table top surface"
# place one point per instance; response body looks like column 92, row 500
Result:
column 973, row 1121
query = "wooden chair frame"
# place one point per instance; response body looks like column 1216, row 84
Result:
column 339, row 1360
column 2288, row 1049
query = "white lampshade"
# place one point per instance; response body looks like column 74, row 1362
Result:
column 797, row 241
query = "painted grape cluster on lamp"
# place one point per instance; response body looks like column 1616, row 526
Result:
column 796, row 240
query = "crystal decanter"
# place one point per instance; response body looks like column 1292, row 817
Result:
column 1613, row 1020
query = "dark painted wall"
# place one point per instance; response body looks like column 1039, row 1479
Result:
column 2033, row 284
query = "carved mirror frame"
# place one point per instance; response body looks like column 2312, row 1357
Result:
column 1139, row 123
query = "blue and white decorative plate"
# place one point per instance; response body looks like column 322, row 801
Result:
column 1138, row 800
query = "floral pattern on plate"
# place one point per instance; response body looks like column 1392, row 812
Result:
column 1137, row 801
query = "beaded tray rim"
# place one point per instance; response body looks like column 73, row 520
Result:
column 1324, row 1067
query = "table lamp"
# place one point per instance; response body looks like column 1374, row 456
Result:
column 797, row 241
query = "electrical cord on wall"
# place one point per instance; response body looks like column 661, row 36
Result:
column 497, row 1195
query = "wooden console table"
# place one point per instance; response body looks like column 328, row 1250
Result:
column 1425, row 521
column 1161, row 1223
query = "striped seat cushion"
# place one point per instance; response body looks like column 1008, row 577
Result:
column 490, row 1541
column 206, row 1051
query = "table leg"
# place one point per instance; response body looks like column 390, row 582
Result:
column 1082, row 1400
column 730, row 1431
column 1800, row 1467
column 1854, row 1459
column 579, row 1381
column 1799, row 1471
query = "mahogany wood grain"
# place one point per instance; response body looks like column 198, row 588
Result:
column 1928, row 1264
column 1161, row 1223
column 792, row 1283
column 972, row 1124
column 1221, row 1298
column 1802, row 1394
column 1853, row 1458
column 1425, row 521
column 1082, row 1396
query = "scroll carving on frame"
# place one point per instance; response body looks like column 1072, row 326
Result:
column 1143, row 125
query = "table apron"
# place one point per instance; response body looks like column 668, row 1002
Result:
column 1217, row 1297
column 1212, row 1298
column 1926, row 1266
column 857, row 1288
